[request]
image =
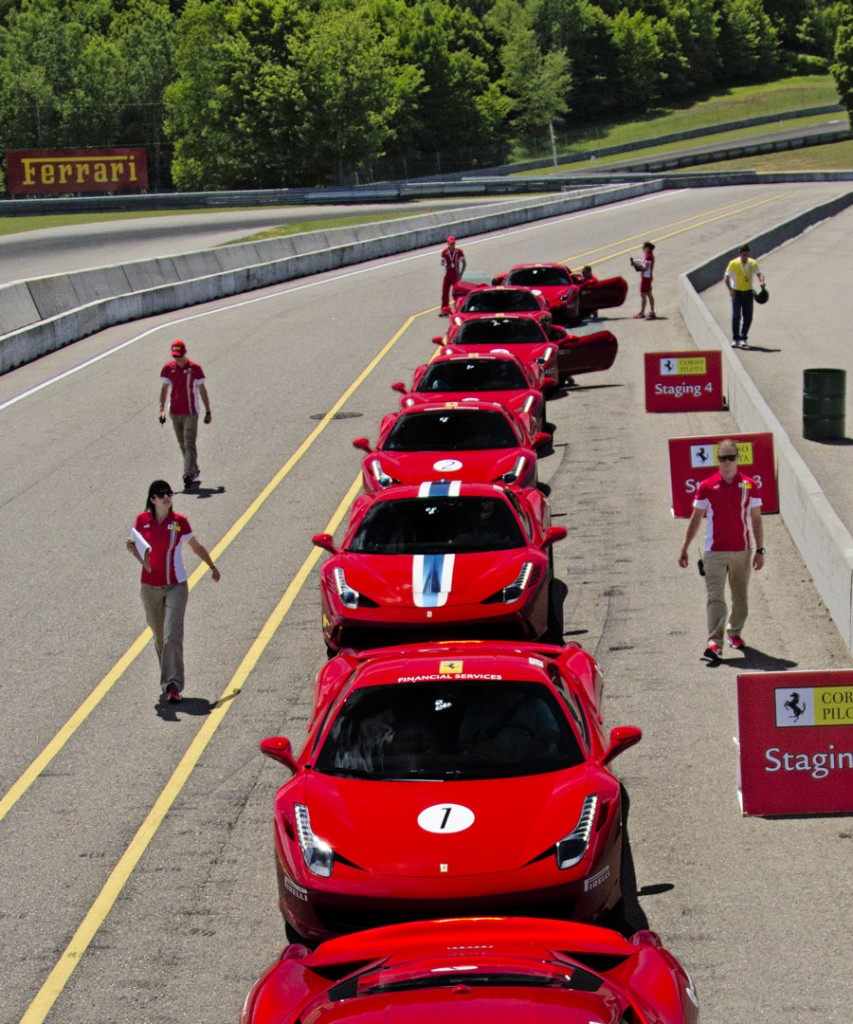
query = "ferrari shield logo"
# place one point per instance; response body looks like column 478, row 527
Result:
column 443, row 868
column 449, row 668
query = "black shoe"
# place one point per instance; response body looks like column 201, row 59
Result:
column 188, row 481
column 173, row 694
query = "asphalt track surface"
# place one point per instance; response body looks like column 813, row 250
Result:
column 136, row 842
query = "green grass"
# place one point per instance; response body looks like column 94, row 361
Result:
column 12, row 225
column 835, row 157
column 737, row 104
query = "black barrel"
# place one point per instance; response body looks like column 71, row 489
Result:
column 824, row 393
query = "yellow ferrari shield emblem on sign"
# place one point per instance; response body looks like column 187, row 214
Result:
column 449, row 668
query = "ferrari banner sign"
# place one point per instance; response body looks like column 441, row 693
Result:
column 691, row 459
column 75, row 171
column 795, row 732
column 684, row 382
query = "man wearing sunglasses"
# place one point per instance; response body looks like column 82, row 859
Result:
column 730, row 503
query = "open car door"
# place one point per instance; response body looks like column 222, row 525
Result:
column 587, row 353
column 604, row 294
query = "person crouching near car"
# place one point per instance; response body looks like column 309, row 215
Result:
column 156, row 542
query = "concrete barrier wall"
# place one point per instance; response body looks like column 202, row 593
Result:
column 47, row 313
column 823, row 541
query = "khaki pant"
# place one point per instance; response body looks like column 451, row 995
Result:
column 186, row 431
column 164, row 613
column 720, row 565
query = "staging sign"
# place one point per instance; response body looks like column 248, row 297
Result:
column 76, row 171
column 678, row 382
column 692, row 459
column 795, row 734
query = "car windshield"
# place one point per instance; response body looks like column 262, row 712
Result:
column 477, row 375
column 537, row 277
column 451, row 430
column 499, row 332
column 438, row 525
column 499, row 302
column 449, row 729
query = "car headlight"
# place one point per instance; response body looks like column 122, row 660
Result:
column 526, row 577
column 549, row 355
column 571, row 849
column 567, row 296
column 517, row 471
column 350, row 598
column 318, row 855
column 379, row 474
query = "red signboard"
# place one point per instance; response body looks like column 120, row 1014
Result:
column 796, row 742
column 681, row 382
column 74, row 171
column 691, row 459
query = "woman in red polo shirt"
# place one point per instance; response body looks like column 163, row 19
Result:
column 157, row 541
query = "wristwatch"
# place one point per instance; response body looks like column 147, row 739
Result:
column 759, row 551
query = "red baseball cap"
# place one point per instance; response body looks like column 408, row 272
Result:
column 451, row 238
column 178, row 348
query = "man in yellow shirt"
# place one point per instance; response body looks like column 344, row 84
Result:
column 738, row 279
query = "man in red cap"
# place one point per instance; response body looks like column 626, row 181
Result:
column 182, row 381
column 453, row 261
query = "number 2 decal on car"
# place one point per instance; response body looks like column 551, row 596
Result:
column 446, row 818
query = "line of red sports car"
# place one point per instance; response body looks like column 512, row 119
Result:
column 452, row 829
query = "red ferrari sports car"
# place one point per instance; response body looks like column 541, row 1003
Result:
column 497, row 376
column 570, row 296
column 497, row 970
column 440, row 559
column 447, row 779
column 484, row 298
column 473, row 440
column 553, row 281
column 563, row 355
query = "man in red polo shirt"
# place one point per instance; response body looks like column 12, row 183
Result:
column 182, row 381
column 730, row 503
column 453, row 261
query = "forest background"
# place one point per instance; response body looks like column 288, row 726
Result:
column 243, row 94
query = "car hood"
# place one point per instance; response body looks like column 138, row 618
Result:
column 432, row 581
column 476, row 466
column 395, row 828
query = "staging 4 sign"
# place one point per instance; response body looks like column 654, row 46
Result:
column 795, row 734
column 691, row 459
column 677, row 382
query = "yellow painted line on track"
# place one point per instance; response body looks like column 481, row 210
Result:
column 687, row 224
column 64, row 734
column 56, row 981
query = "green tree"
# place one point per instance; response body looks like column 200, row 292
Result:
column 842, row 69
column 352, row 86
column 230, row 109
column 749, row 42
column 637, row 79
column 536, row 81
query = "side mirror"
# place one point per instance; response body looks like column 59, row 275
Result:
column 398, row 385
column 279, row 749
column 621, row 738
column 541, row 438
column 553, row 534
column 362, row 444
column 325, row 541
column 438, row 340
